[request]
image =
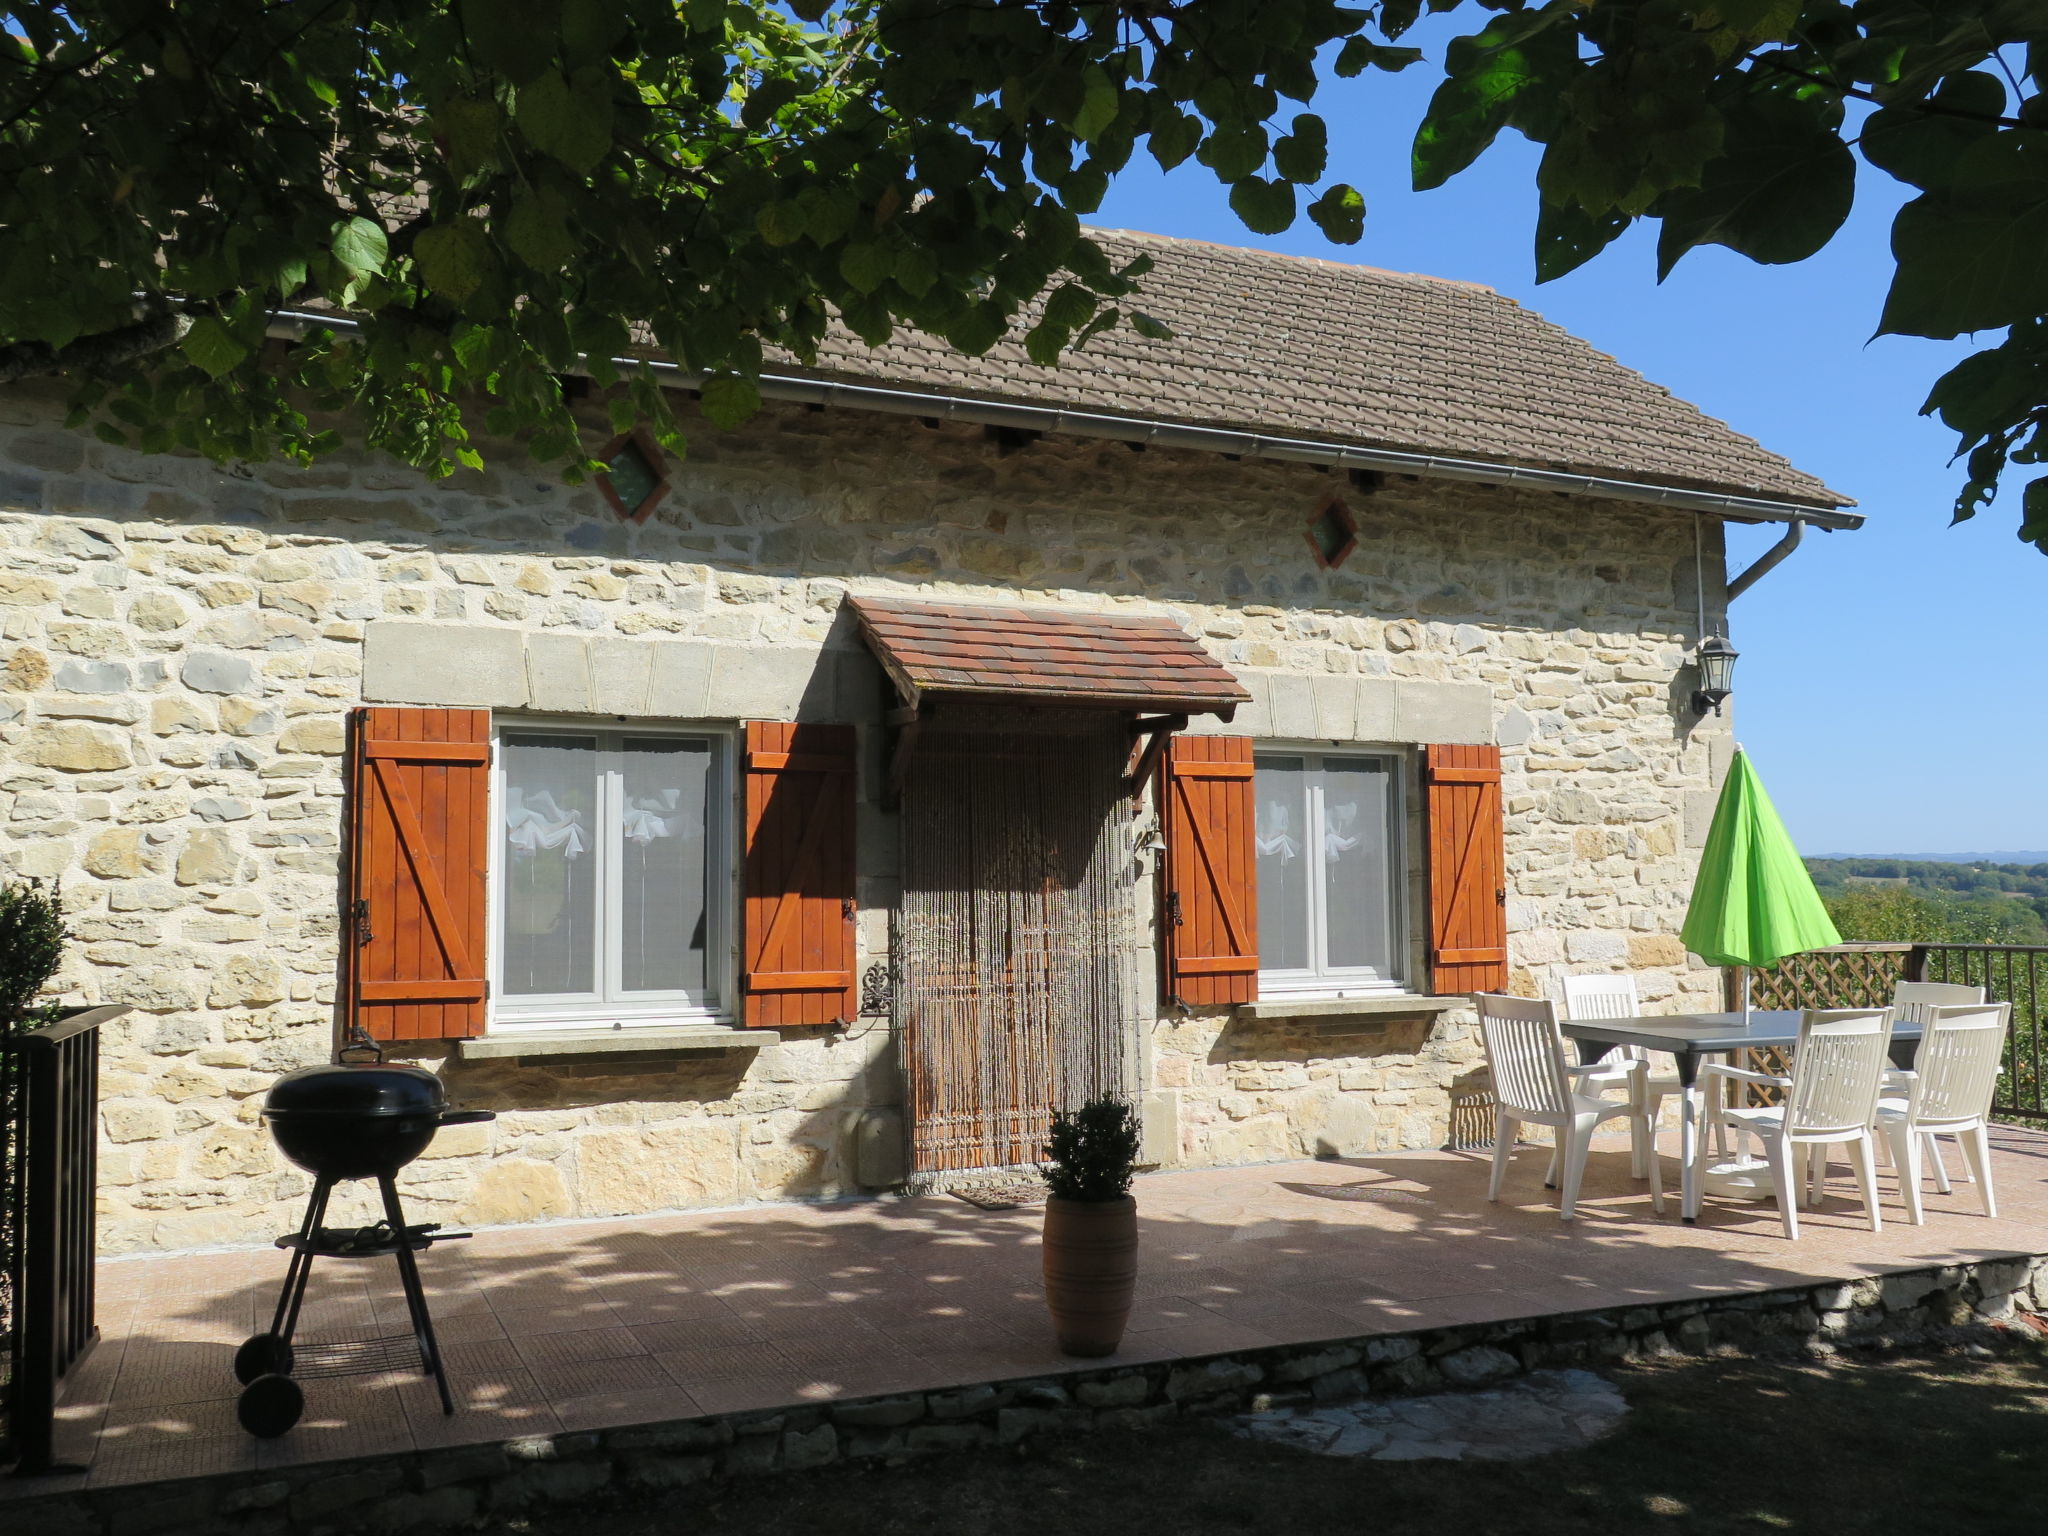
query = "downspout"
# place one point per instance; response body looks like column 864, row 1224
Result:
column 1769, row 560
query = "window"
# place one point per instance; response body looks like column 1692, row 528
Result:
column 1328, row 840
column 612, row 864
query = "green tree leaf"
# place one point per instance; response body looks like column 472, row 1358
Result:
column 729, row 401
column 1340, row 214
column 1567, row 237
column 1099, row 102
column 1267, row 207
column 1303, row 154
column 1970, row 254
column 212, row 347
column 359, row 245
column 453, row 259
column 1777, row 192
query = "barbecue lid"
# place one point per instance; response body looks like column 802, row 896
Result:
column 364, row 1088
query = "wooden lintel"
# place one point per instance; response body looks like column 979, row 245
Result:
column 903, row 714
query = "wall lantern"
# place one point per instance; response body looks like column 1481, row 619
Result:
column 635, row 476
column 1716, row 658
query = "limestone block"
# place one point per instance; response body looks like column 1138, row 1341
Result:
column 620, row 674
column 76, row 676
column 158, row 612
column 683, row 1163
column 320, row 735
column 1290, row 705
column 28, row 669
column 764, row 682
column 129, row 1120
column 879, row 1154
column 1351, row 1127
column 49, row 859
column 558, row 673
column 19, row 591
column 210, row 672
column 75, row 747
column 208, row 858
column 461, row 665
column 1445, row 712
column 247, row 981
column 1699, row 816
column 1159, row 1124
column 515, row 1189
column 119, row 854
column 1649, row 951
column 245, row 717
column 679, row 679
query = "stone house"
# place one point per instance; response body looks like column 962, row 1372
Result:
column 1202, row 721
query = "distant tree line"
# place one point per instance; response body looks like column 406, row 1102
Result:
column 1935, row 902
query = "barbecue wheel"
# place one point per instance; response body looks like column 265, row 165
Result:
column 263, row 1355
column 270, row 1405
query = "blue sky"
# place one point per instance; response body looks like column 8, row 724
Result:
column 1885, row 690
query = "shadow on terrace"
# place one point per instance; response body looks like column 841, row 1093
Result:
column 580, row 1325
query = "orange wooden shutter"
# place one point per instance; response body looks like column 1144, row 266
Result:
column 799, row 946
column 419, row 810
column 1211, row 921
column 1468, row 927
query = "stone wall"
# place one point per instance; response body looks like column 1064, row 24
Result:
column 179, row 645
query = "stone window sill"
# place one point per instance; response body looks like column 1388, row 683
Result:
column 1319, row 1010
column 601, row 1042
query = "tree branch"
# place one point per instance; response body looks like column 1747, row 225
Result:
column 32, row 359
column 1935, row 108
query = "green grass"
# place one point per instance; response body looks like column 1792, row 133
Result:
column 1931, row 1446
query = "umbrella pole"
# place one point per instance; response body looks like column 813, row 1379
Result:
column 1745, row 996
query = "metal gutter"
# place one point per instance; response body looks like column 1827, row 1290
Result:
column 800, row 389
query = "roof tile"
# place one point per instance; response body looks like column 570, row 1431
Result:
column 1313, row 348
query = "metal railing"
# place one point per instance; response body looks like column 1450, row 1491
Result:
column 1863, row 976
column 49, row 1172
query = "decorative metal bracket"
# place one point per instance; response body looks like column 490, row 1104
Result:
column 878, row 991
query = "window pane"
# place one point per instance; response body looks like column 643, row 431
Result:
column 1280, row 786
column 662, row 940
column 549, row 824
column 1357, row 806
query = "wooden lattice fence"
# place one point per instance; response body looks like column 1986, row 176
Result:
column 1865, row 975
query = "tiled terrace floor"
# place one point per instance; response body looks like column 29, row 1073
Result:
column 577, row 1326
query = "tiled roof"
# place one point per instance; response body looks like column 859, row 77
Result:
column 1308, row 348
column 1053, row 655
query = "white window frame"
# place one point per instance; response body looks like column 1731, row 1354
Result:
column 1322, row 979
column 719, row 1004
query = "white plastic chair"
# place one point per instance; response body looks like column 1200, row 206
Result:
column 1912, row 999
column 1912, row 1003
column 1614, row 997
column 1533, row 1085
column 1948, row 1093
column 1830, row 1100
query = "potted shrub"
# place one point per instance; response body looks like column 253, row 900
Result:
column 1091, row 1224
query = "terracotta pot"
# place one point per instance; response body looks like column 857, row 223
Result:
column 1091, row 1269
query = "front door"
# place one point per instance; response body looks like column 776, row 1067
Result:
column 1016, row 947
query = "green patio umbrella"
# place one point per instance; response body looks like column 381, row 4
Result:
column 1753, row 902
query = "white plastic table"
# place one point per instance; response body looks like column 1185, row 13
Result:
column 1690, row 1036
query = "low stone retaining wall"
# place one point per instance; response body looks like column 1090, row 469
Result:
column 433, row 1490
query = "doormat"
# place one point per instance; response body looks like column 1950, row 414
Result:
column 1011, row 1195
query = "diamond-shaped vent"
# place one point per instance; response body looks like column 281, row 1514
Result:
column 1332, row 533
column 633, row 481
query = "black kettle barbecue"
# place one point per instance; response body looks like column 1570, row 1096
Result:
column 352, row 1120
